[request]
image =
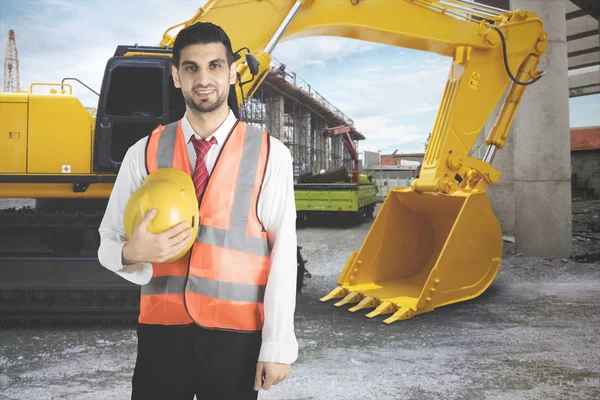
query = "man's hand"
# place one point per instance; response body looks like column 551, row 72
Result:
column 147, row 247
column 273, row 373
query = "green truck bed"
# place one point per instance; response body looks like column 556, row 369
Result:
column 335, row 198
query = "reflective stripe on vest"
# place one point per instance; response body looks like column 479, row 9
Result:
column 166, row 146
column 206, row 287
column 236, row 288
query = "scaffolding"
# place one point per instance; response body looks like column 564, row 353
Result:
column 292, row 111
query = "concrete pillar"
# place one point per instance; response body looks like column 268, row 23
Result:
column 542, row 151
column 305, row 145
column 274, row 115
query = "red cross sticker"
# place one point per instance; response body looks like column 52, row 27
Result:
column 66, row 169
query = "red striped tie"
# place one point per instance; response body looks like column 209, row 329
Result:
column 200, row 176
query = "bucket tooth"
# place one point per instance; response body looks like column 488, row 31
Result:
column 384, row 308
column 402, row 313
column 353, row 297
column 336, row 293
column 367, row 302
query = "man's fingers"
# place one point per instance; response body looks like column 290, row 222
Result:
column 184, row 235
column 174, row 230
column 268, row 382
column 258, row 376
column 180, row 246
column 147, row 218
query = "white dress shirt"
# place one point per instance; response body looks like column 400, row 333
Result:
column 277, row 212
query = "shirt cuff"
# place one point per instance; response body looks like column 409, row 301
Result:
column 139, row 277
column 279, row 352
column 115, row 264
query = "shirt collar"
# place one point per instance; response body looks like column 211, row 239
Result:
column 220, row 134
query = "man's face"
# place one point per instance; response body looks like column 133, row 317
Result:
column 204, row 77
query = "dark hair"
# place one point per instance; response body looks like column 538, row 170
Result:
column 201, row 33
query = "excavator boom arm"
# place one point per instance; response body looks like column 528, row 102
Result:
column 483, row 43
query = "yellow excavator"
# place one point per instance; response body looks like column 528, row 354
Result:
column 434, row 243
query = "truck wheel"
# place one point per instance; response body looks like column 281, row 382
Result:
column 301, row 271
column 301, row 219
column 370, row 211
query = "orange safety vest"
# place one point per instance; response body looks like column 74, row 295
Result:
column 220, row 283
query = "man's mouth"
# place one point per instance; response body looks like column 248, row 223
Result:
column 204, row 92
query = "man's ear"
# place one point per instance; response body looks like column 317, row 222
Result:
column 233, row 73
column 175, row 74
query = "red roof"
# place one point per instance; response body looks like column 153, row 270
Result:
column 585, row 138
column 389, row 160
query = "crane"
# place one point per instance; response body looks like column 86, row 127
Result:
column 11, row 64
column 344, row 131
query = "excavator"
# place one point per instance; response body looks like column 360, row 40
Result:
column 433, row 243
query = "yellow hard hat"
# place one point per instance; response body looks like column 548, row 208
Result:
column 171, row 192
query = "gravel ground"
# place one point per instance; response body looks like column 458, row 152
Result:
column 534, row 334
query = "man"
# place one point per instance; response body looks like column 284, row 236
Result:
column 199, row 343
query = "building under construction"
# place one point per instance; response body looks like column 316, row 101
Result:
column 293, row 112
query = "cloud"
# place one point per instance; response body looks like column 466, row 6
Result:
column 371, row 69
column 381, row 131
column 392, row 100
column 298, row 53
column 390, row 92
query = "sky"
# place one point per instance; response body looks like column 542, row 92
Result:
column 391, row 93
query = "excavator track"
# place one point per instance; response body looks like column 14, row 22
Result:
column 51, row 289
column 49, row 271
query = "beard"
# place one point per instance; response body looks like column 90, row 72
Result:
column 206, row 105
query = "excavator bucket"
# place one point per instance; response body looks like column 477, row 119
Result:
column 423, row 251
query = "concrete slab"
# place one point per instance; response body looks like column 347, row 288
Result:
column 534, row 334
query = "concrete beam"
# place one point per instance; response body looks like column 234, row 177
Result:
column 584, row 84
column 589, row 42
column 592, row 7
column 584, row 60
column 570, row 7
column 581, row 24
column 578, row 92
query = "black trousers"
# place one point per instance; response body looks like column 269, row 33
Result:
column 178, row 362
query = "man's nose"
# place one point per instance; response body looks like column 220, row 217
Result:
column 203, row 78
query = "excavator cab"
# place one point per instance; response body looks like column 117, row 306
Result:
column 137, row 95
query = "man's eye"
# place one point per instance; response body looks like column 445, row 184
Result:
column 215, row 65
column 190, row 68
